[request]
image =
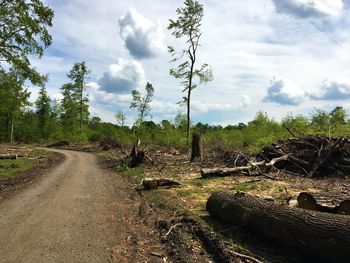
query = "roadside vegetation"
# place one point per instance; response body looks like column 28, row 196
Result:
column 27, row 160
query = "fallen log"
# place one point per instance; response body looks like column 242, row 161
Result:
column 221, row 172
column 8, row 156
column 308, row 202
column 154, row 183
column 320, row 235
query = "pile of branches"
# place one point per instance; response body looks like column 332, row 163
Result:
column 312, row 155
column 109, row 143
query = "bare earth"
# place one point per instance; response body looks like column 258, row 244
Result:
column 75, row 213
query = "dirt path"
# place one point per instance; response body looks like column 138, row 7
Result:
column 68, row 216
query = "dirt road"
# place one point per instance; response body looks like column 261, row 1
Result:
column 68, row 216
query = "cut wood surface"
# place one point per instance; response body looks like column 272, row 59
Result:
column 321, row 235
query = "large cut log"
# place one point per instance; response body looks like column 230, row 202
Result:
column 322, row 235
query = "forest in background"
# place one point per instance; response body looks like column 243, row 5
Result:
column 49, row 120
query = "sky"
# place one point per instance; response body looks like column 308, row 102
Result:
column 279, row 56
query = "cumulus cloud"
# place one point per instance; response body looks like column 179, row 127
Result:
column 332, row 90
column 284, row 92
column 309, row 8
column 142, row 37
column 122, row 77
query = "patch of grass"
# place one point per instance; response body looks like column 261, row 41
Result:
column 188, row 192
column 137, row 172
column 20, row 165
column 201, row 182
column 12, row 167
column 280, row 188
column 242, row 187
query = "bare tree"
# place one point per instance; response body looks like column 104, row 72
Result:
column 120, row 117
column 187, row 26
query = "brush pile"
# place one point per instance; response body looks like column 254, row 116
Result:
column 312, row 156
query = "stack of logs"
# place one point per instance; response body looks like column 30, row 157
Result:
column 312, row 156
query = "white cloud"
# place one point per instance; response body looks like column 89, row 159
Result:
column 332, row 90
column 122, row 77
column 245, row 42
column 284, row 92
column 309, row 8
column 143, row 38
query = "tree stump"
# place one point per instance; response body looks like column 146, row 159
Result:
column 321, row 235
column 137, row 156
column 197, row 147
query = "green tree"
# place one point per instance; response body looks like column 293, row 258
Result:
column 24, row 32
column 43, row 111
column 78, row 74
column 142, row 104
column 187, row 26
column 69, row 107
column 338, row 116
column 13, row 98
column 75, row 102
column 320, row 121
column 298, row 123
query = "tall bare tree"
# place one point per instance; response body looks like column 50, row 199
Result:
column 187, row 26
column 120, row 117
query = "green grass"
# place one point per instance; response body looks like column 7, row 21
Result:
column 241, row 187
column 187, row 192
column 136, row 172
column 20, row 165
column 12, row 167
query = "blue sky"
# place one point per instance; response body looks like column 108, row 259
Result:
column 279, row 56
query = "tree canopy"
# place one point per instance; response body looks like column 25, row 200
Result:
column 24, row 32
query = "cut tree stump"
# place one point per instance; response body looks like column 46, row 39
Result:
column 197, row 147
column 137, row 156
column 321, row 235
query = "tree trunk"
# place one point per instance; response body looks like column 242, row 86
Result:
column 250, row 168
column 137, row 155
column 188, row 114
column 322, row 235
column 12, row 127
column 197, row 147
